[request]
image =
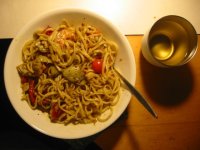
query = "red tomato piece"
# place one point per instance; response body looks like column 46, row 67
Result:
column 31, row 92
column 24, row 79
column 97, row 65
column 46, row 102
column 55, row 112
column 49, row 32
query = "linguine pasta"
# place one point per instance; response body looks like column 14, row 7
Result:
column 68, row 72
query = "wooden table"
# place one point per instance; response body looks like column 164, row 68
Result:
column 175, row 96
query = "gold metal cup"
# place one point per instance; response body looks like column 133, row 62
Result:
column 172, row 41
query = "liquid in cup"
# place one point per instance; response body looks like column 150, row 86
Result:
column 172, row 41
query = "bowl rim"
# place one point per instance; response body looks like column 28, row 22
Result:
column 57, row 12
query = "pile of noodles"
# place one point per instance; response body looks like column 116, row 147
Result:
column 57, row 75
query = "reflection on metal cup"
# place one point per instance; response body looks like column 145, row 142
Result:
column 172, row 41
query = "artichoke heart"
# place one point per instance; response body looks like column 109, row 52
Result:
column 73, row 73
column 31, row 69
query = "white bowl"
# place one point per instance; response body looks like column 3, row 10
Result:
column 39, row 120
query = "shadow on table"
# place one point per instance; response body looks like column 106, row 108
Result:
column 166, row 86
column 110, row 136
